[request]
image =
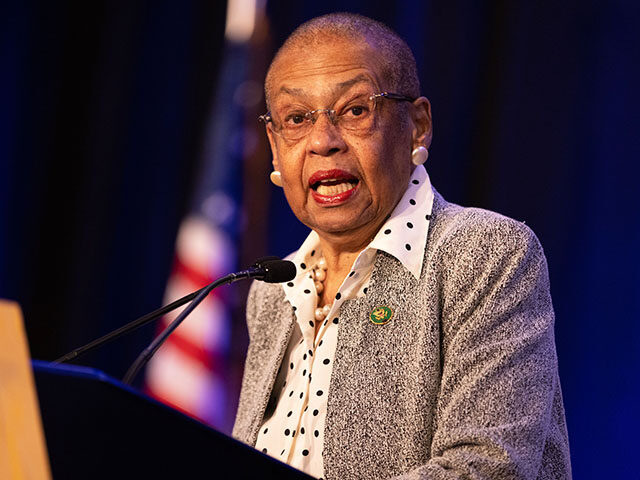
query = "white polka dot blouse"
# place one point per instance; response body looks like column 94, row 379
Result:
column 293, row 425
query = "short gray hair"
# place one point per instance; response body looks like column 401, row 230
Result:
column 399, row 64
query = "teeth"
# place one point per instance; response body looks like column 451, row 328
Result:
column 331, row 190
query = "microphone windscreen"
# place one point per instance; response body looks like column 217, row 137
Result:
column 278, row 271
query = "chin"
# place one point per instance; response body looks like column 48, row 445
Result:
column 340, row 220
column 339, row 226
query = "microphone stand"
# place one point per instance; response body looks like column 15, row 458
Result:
column 139, row 322
column 148, row 352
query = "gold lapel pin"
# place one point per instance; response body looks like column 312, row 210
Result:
column 381, row 315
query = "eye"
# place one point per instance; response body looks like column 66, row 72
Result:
column 357, row 108
column 294, row 118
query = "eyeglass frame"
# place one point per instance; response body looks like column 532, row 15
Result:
column 311, row 114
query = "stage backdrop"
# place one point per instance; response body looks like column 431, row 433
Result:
column 535, row 110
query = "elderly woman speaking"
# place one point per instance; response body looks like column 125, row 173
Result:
column 416, row 340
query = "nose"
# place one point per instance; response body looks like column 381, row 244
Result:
column 325, row 138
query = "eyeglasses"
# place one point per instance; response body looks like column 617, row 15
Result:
column 357, row 115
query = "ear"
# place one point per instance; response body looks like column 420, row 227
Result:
column 274, row 149
column 421, row 119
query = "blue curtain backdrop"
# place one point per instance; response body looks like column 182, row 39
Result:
column 536, row 116
column 102, row 109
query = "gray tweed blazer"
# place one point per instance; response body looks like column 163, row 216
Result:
column 461, row 383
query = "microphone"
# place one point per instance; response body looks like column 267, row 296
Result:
column 276, row 271
column 281, row 269
column 270, row 271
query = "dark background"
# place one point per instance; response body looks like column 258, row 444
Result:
column 102, row 113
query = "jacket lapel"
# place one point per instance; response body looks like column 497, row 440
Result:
column 269, row 350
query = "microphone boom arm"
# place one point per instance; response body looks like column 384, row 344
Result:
column 148, row 352
column 262, row 263
column 137, row 323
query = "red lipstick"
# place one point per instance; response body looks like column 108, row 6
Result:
column 334, row 174
column 332, row 187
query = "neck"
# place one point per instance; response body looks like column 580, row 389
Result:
column 340, row 255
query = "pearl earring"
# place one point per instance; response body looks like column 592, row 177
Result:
column 276, row 178
column 419, row 155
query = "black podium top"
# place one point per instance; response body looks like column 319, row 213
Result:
column 97, row 427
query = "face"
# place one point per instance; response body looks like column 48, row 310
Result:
column 342, row 184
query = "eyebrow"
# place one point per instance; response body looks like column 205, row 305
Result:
column 291, row 91
column 340, row 87
column 348, row 83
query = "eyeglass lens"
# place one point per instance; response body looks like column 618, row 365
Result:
column 357, row 115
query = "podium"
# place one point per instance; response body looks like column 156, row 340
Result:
column 97, row 427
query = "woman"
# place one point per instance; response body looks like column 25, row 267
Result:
column 416, row 340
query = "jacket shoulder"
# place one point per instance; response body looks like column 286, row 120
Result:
column 469, row 228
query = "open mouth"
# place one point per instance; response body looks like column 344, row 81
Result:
column 332, row 186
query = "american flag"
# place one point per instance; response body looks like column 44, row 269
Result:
column 191, row 371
